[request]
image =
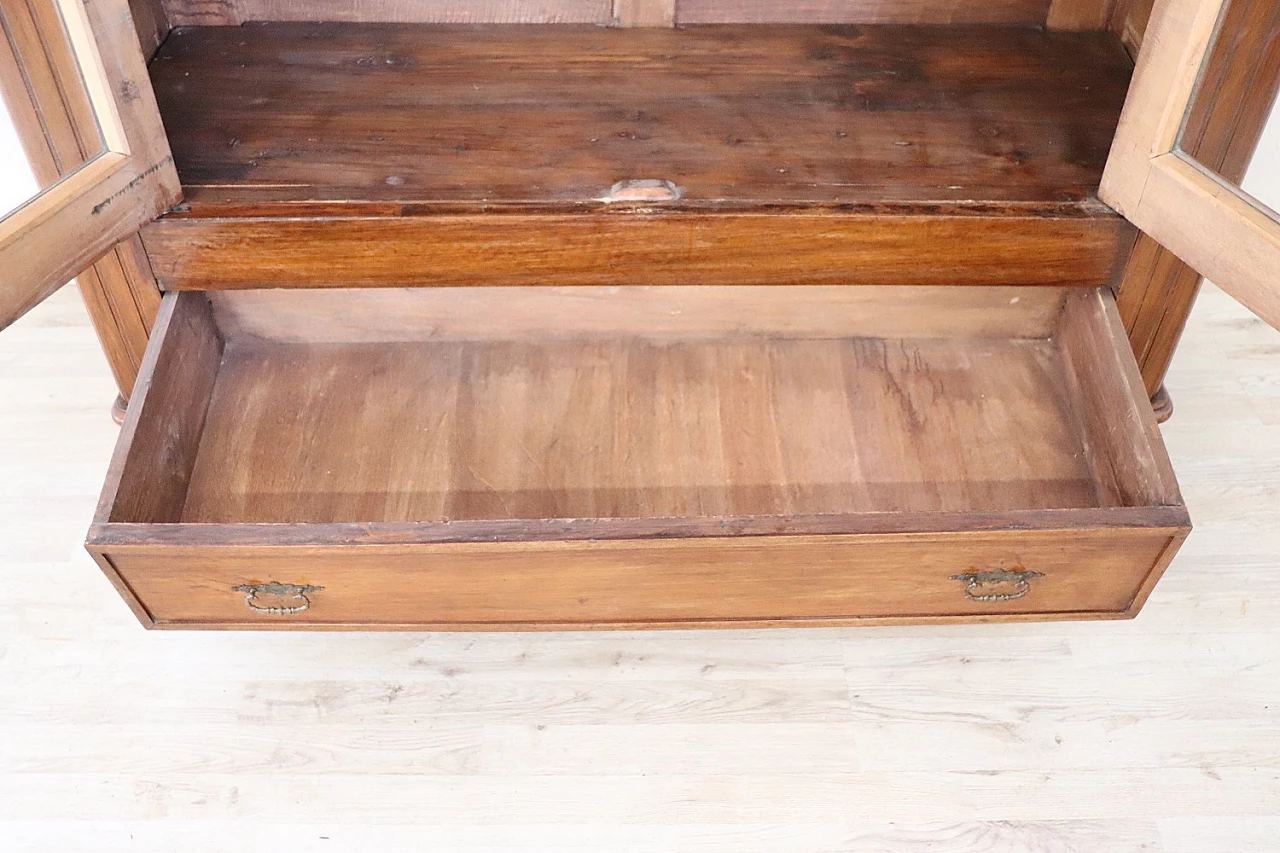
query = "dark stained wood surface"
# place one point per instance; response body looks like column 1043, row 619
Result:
column 861, row 12
column 269, row 114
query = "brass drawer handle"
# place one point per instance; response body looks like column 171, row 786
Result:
column 278, row 599
column 985, row 586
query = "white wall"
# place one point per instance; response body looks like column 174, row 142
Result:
column 16, row 182
column 1262, row 180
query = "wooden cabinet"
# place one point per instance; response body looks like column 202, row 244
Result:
column 505, row 315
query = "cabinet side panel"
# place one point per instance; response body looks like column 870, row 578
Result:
column 123, row 299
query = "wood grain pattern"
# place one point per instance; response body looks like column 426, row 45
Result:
column 1157, row 290
column 688, row 313
column 237, row 12
column 637, row 248
column 861, row 12
column 66, row 228
column 123, row 299
column 151, row 22
column 1155, row 735
column 1128, row 20
column 594, row 446
column 1154, row 297
column 948, row 140
column 150, row 474
column 644, row 13
column 1073, row 15
column 706, row 581
column 119, row 290
column 734, row 116
column 577, row 404
column 1098, row 364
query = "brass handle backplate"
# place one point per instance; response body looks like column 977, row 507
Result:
column 277, row 599
column 997, row 584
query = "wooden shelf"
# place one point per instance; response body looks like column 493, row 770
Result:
column 339, row 155
column 740, row 116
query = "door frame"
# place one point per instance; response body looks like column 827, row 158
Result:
column 50, row 239
column 1205, row 220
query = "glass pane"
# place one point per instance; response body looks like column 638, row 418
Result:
column 47, row 125
column 1235, row 99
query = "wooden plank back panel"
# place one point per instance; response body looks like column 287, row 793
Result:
column 626, row 13
column 862, row 12
column 654, row 313
column 235, row 12
column 733, row 116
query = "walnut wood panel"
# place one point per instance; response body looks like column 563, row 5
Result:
column 563, row 403
column 631, row 429
column 644, row 13
column 176, row 378
column 151, row 22
column 473, row 459
column 624, row 247
column 1128, row 20
column 667, row 313
column 606, row 584
column 123, row 300
column 1079, row 14
column 834, row 124
column 236, row 12
column 1105, row 377
column 861, row 12
column 1236, row 93
column 617, row 12
column 732, row 115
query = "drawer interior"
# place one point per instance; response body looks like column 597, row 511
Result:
column 460, row 408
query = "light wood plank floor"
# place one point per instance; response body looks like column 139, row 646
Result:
column 1160, row 734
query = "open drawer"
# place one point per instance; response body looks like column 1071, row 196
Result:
column 606, row 457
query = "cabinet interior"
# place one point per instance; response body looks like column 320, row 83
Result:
column 470, row 404
column 380, row 117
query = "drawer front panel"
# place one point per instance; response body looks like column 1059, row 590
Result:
column 674, row 582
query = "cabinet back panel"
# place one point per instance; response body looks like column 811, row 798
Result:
column 610, row 12
column 283, row 114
